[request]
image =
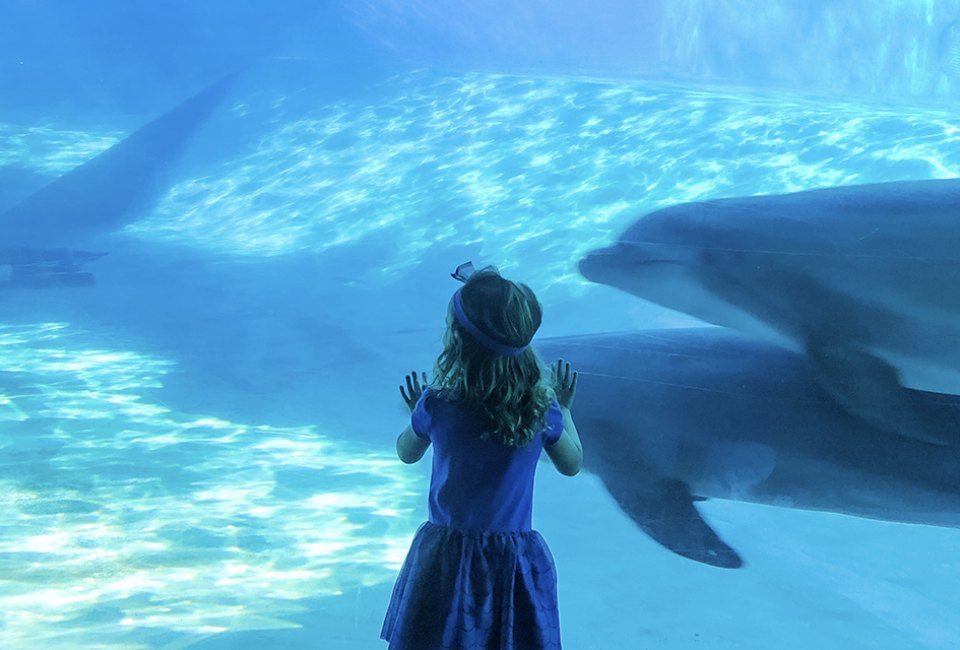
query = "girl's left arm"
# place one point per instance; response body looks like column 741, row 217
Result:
column 410, row 446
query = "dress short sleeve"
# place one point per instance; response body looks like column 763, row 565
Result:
column 420, row 417
column 553, row 424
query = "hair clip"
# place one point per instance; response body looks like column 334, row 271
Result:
column 463, row 272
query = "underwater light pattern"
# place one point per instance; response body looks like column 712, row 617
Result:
column 522, row 167
column 121, row 514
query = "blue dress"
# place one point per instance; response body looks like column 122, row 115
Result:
column 477, row 575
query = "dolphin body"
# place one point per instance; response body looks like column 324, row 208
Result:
column 113, row 188
column 865, row 280
column 673, row 416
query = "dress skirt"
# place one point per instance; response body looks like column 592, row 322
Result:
column 474, row 590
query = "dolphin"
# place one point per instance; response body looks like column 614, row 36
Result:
column 864, row 280
column 671, row 417
column 116, row 186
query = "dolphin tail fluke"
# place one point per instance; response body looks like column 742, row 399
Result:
column 869, row 388
column 664, row 510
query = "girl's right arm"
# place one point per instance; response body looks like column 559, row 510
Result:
column 567, row 452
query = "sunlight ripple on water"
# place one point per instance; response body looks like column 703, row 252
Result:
column 119, row 510
column 485, row 158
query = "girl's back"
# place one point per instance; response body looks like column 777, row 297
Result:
column 478, row 483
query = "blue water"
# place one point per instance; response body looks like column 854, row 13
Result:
column 198, row 451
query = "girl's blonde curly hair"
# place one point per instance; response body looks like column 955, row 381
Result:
column 508, row 391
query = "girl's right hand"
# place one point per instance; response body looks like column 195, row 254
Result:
column 564, row 384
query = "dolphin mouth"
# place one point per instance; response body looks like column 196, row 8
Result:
column 598, row 265
column 592, row 266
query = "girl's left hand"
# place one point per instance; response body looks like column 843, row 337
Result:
column 414, row 389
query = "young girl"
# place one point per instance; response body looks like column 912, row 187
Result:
column 477, row 576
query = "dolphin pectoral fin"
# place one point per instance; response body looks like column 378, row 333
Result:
column 664, row 510
column 869, row 388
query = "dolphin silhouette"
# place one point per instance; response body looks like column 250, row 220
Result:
column 114, row 187
column 865, row 280
column 673, row 416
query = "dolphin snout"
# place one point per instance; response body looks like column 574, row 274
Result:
column 595, row 262
column 605, row 264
